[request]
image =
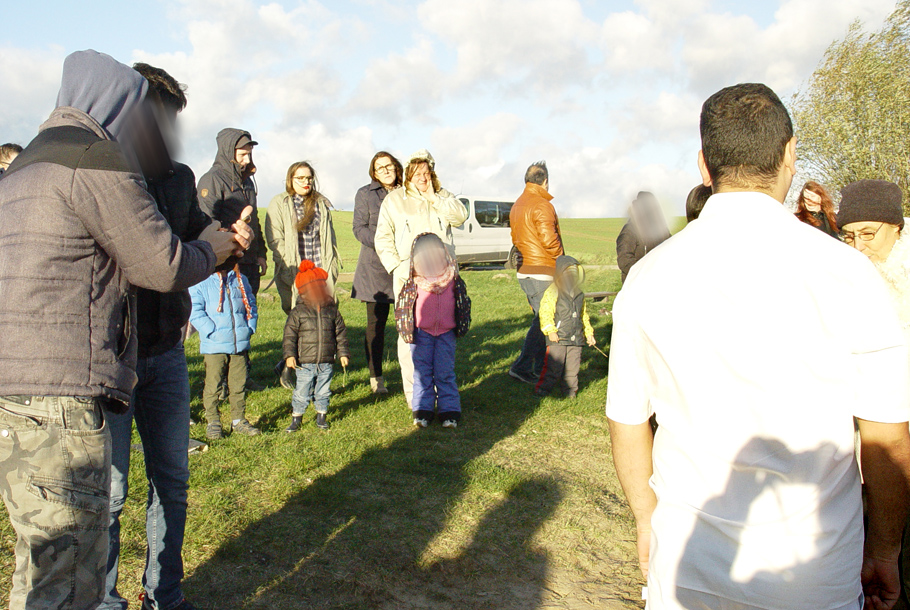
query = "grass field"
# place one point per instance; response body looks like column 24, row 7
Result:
column 517, row 508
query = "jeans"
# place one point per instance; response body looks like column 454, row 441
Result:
column 215, row 366
column 161, row 407
column 374, row 341
column 55, row 479
column 530, row 361
column 434, row 373
column 312, row 379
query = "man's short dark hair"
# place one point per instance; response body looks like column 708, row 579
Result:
column 9, row 149
column 537, row 173
column 163, row 85
column 744, row 134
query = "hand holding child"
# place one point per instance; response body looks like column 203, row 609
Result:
column 291, row 363
column 554, row 337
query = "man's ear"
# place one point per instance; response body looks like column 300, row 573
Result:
column 703, row 169
column 790, row 156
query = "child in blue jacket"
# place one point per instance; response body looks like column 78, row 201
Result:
column 224, row 313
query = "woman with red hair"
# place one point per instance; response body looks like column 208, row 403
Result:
column 814, row 207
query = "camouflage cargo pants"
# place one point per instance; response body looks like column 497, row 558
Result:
column 55, row 463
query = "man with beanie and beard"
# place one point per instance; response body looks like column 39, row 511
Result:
column 78, row 230
column 227, row 189
column 160, row 402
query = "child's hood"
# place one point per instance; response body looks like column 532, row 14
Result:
column 563, row 263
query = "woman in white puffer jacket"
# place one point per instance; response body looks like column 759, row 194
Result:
column 421, row 205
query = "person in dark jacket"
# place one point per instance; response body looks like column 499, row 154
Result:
column 314, row 336
column 78, row 230
column 645, row 230
column 564, row 321
column 225, row 191
column 160, row 402
column 372, row 283
column 629, row 249
column 815, row 207
column 228, row 188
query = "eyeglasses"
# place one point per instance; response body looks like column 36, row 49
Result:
column 385, row 169
column 304, row 179
column 849, row 238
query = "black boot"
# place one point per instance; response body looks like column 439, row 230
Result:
column 321, row 421
column 295, row 423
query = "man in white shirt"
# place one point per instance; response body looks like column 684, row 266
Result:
column 773, row 339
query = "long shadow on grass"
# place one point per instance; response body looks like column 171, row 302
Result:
column 357, row 538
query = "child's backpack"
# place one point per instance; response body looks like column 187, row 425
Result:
column 462, row 308
column 405, row 317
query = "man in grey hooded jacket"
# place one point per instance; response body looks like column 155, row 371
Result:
column 78, row 230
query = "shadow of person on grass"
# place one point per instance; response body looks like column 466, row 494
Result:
column 356, row 538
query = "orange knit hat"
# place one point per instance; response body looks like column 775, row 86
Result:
column 308, row 274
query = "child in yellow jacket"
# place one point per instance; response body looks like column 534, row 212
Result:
column 564, row 321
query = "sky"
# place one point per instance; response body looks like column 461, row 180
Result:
column 608, row 92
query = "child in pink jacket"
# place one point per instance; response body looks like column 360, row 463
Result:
column 439, row 300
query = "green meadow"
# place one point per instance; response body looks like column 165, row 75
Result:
column 518, row 507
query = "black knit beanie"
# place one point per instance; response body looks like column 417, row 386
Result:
column 871, row 201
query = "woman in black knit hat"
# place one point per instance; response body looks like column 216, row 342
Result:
column 871, row 218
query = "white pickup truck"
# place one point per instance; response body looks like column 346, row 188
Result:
column 485, row 237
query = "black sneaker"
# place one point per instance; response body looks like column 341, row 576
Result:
column 245, row 428
column 184, row 605
column 295, row 424
column 213, row 431
column 321, row 421
column 522, row 377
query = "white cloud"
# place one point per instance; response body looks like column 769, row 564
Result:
column 29, row 81
column 611, row 102
column 539, row 44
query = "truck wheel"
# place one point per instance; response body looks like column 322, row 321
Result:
column 514, row 259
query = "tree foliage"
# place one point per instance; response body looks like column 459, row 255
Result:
column 853, row 116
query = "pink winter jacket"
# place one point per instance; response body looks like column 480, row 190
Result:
column 435, row 313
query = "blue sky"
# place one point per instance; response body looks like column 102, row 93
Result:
column 607, row 92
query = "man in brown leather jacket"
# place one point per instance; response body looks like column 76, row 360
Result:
column 535, row 234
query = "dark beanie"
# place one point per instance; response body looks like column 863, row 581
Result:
column 871, row 201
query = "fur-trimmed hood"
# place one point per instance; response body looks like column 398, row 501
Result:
column 896, row 272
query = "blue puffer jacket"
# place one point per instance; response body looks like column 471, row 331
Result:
column 228, row 331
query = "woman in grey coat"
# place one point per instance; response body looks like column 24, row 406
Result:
column 372, row 283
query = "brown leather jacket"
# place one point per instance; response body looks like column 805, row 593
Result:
column 535, row 231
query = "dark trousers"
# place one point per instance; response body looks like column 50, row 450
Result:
column 215, row 367
column 374, row 342
column 530, row 361
column 562, row 363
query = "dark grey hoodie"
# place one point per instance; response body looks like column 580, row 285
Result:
column 78, row 229
column 224, row 192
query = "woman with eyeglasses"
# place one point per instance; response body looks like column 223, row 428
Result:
column 372, row 283
column 298, row 227
column 872, row 219
column 814, row 207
